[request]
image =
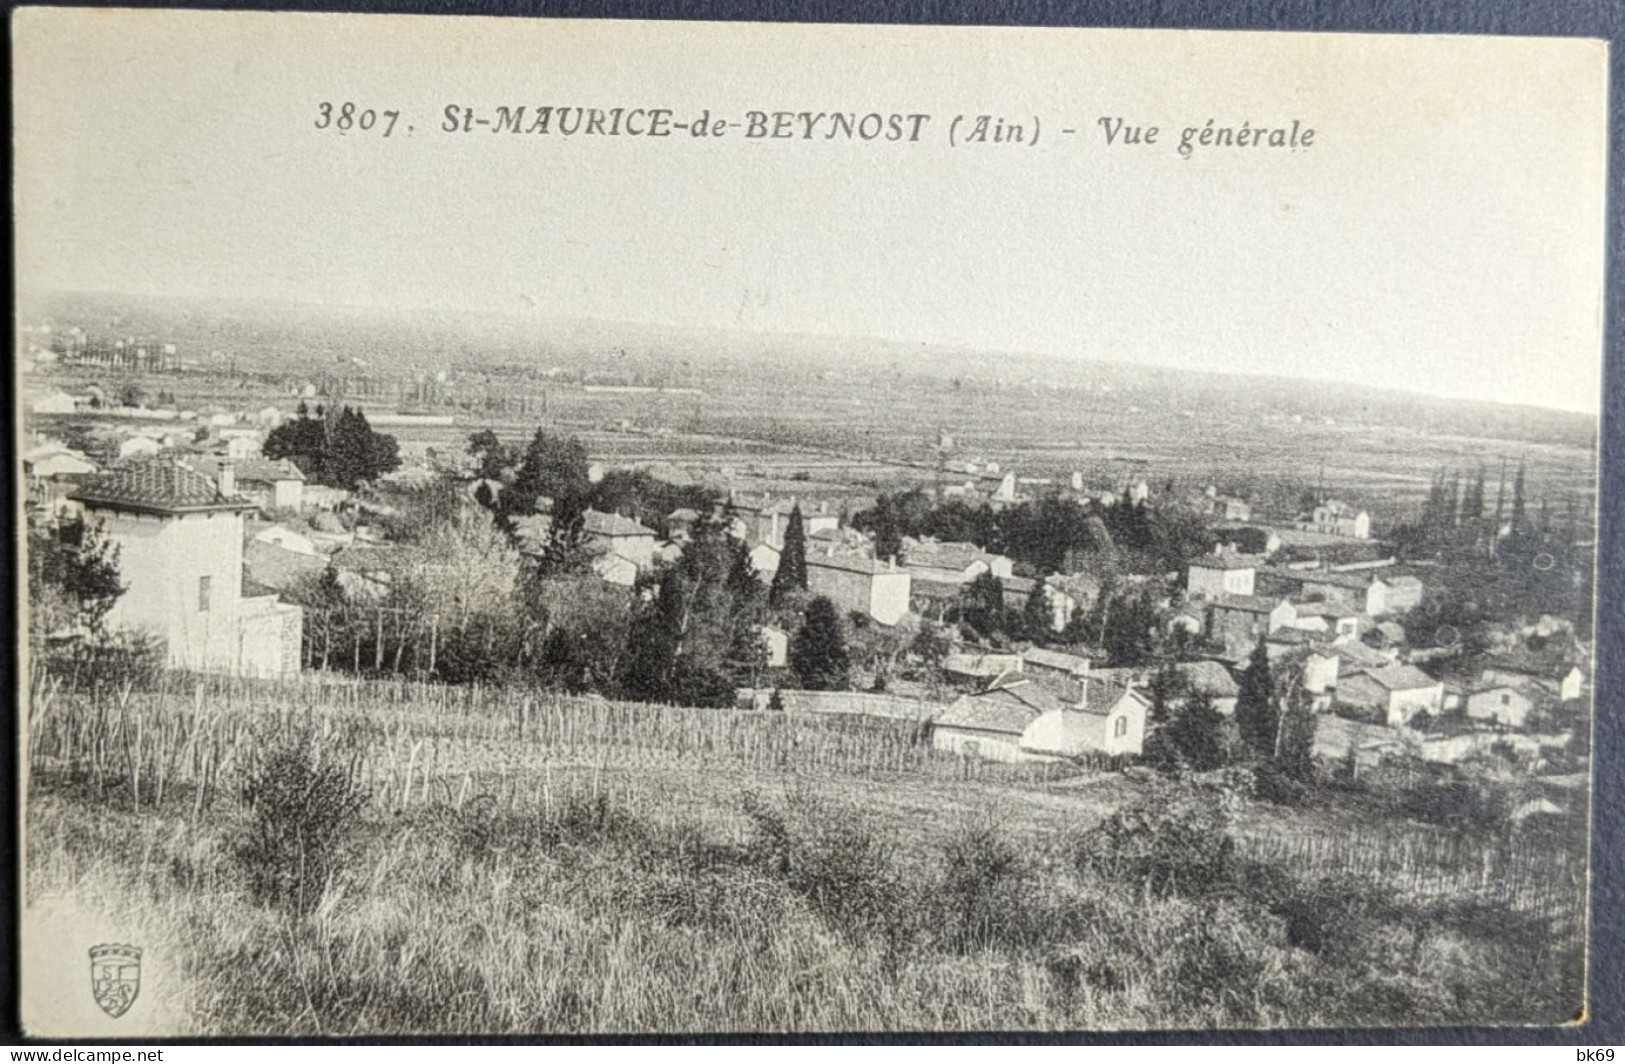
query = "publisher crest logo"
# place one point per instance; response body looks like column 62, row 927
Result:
column 115, row 977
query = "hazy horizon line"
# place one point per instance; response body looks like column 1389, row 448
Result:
column 521, row 318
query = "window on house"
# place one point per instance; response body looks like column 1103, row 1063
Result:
column 1122, row 727
column 1506, row 699
column 203, row 594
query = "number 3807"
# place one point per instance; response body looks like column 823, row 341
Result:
column 347, row 117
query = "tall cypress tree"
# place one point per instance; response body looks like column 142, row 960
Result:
column 792, row 574
column 1517, row 500
column 1256, row 716
column 887, row 530
column 1296, row 755
column 818, row 651
column 1038, row 616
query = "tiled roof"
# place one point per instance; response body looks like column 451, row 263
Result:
column 1246, row 603
column 594, row 523
column 851, row 564
column 1012, row 703
column 1054, row 659
column 159, row 484
column 950, row 555
column 1324, row 609
column 266, row 470
column 249, row 470
column 1101, row 693
column 1401, row 678
column 277, row 567
column 1225, row 561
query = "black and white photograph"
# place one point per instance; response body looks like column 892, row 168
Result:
column 561, row 527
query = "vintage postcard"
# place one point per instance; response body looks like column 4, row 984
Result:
column 543, row 527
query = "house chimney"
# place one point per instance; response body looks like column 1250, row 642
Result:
column 228, row 478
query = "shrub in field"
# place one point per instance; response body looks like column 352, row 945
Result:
column 828, row 855
column 984, row 891
column 584, row 817
column 1175, row 839
column 303, row 811
column 1337, row 916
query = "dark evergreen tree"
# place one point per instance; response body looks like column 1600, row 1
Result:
column 1127, row 624
column 1256, row 715
column 1472, row 499
column 1037, row 615
column 555, row 468
column 1517, row 500
column 652, row 642
column 1196, row 734
column 492, row 457
column 982, row 606
column 1295, row 758
column 818, row 651
column 792, row 572
column 335, row 447
column 887, row 530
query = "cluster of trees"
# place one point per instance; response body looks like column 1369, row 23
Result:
column 551, row 474
column 1272, row 730
column 463, row 601
column 1496, row 562
column 334, row 446
column 1052, row 534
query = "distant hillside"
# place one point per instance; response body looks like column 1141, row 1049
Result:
column 302, row 338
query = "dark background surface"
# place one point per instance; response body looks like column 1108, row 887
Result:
column 1569, row 18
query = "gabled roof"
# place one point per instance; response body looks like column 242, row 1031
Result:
column 1246, row 603
column 249, row 470
column 851, row 564
column 1008, row 705
column 594, row 523
column 1360, row 655
column 1054, row 659
column 1225, row 561
column 1102, row 693
column 267, row 470
column 1401, row 678
column 1528, row 687
column 1329, row 610
column 932, row 554
column 277, row 567
column 159, row 484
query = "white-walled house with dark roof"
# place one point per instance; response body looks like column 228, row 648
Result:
column 179, row 536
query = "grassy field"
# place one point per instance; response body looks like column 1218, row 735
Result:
column 343, row 858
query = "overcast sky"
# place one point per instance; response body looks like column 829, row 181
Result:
column 1443, row 233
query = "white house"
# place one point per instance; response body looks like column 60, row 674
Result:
column 1399, row 692
column 58, row 402
column 620, row 536
column 860, row 585
column 180, row 540
column 1336, row 518
column 953, row 562
column 1333, row 619
column 777, row 641
column 1018, row 719
column 1508, row 704
column 139, row 447
column 1218, row 574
